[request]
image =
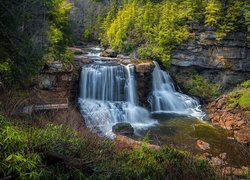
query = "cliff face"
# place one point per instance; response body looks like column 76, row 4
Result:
column 225, row 63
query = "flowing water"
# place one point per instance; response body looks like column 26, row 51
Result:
column 165, row 98
column 108, row 96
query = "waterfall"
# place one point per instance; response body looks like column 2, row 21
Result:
column 165, row 98
column 108, row 96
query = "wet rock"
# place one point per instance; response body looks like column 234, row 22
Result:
column 79, row 61
column 144, row 81
column 203, row 145
column 243, row 135
column 109, row 53
column 77, row 50
column 125, row 61
column 80, row 58
column 144, row 67
column 123, row 129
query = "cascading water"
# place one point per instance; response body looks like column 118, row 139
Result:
column 108, row 96
column 165, row 99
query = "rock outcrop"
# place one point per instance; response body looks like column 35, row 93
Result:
column 230, row 118
column 204, row 51
column 226, row 62
column 143, row 72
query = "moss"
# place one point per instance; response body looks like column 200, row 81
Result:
column 240, row 98
column 244, row 100
column 245, row 84
column 197, row 85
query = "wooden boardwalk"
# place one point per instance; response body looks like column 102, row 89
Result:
column 55, row 104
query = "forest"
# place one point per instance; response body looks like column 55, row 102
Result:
column 176, row 72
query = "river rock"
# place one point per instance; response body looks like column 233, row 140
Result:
column 109, row 53
column 203, row 145
column 123, row 129
column 243, row 135
column 77, row 50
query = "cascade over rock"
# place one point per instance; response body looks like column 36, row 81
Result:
column 167, row 100
column 108, row 96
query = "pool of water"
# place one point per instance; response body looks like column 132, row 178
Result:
column 183, row 132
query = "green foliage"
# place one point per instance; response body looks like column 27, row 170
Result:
column 57, row 138
column 155, row 28
column 231, row 20
column 200, row 87
column 246, row 84
column 168, row 163
column 22, row 148
column 16, row 157
column 30, row 38
column 86, row 35
column 240, row 97
column 59, row 31
column 213, row 13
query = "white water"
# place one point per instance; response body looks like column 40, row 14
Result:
column 165, row 99
column 108, row 96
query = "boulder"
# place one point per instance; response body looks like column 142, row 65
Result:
column 109, row 53
column 203, row 145
column 123, row 129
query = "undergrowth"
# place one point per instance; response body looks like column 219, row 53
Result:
column 25, row 152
